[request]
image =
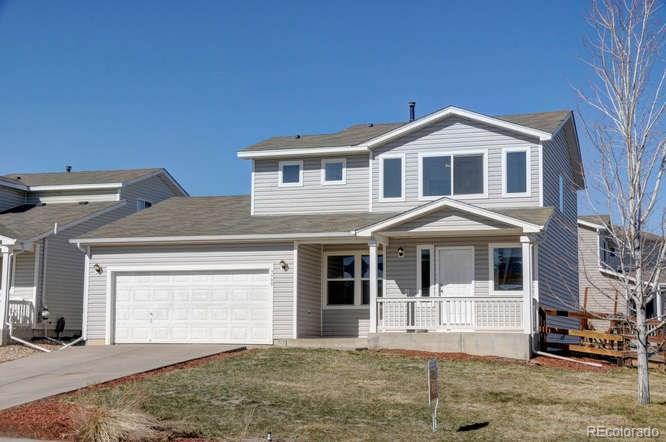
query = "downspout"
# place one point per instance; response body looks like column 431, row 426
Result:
column 43, row 270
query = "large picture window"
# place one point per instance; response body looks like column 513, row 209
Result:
column 348, row 279
column 507, row 268
column 453, row 174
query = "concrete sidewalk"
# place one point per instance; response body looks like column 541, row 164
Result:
column 46, row 374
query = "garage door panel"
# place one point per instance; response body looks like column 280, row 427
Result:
column 217, row 306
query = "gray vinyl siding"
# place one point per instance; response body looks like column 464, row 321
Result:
column 65, row 262
column 400, row 273
column 10, row 197
column 447, row 220
column 455, row 135
column 312, row 196
column 153, row 189
column 24, row 277
column 63, row 288
column 73, row 196
column 601, row 289
column 348, row 322
column 283, row 281
column 309, row 290
column 558, row 247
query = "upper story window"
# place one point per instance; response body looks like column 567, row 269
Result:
column 291, row 173
column 392, row 177
column 515, row 166
column 452, row 174
column 334, row 171
column 143, row 204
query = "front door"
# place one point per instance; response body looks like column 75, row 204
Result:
column 455, row 271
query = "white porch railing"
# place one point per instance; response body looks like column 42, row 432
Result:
column 459, row 313
column 21, row 313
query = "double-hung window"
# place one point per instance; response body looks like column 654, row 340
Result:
column 348, row 279
column 392, row 177
column 516, row 172
column 452, row 174
column 142, row 204
column 506, row 268
column 290, row 173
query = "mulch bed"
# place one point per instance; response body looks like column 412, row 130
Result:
column 542, row 361
column 54, row 419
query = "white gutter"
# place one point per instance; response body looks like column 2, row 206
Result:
column 75, row 187
column 312, row 151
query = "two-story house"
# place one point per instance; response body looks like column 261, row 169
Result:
column 41, row 271
column 604, row 272
column 441, row 233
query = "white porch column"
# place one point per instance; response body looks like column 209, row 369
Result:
column 5, row 280
column 660, row 302
column 526, row 244
column 372, row 245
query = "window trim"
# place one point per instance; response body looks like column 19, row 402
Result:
column 326, row 161
column 298, row 163
column 491, row 269
column 528, row 172
column 452, row 154
column 381, row 159
column 358, row 280
column 139, row 200
column 419, row 264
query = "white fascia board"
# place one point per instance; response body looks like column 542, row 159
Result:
column 213, row 238
column 7, row 241
column 447, row 202
column 75, row 187
column 311, row 151
column 78, row 221
column 456, row 111
column 594, row 226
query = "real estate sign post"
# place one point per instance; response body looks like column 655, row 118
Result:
column 432, row 372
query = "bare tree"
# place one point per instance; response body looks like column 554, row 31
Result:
column 628, row 134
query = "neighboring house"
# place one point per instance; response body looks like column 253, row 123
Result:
column 456, row 223
column 602, row 275
column 39, row 214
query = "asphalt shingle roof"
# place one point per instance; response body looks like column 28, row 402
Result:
column 359, row 133
column 84, row 177
column 230, row 215
column 29, row 221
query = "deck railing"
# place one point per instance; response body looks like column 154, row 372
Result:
column 21, row 313
column 450, row 313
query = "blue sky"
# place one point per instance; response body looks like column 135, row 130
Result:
column 183, row 85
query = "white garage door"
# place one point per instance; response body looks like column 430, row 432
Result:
column 230, row 307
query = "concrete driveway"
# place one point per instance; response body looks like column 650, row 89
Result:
column 45, row 374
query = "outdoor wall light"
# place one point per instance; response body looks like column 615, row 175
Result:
column 401, row 252
column 98, row 269
column 284, row 265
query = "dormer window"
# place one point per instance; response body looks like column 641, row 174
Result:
column 515, row 168
column 291, row 173
column 452, row 174
column 333, row 171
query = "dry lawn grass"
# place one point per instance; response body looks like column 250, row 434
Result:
column 339, row 395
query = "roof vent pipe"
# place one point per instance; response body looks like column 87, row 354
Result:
column 412, row 107
column 68, row 169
